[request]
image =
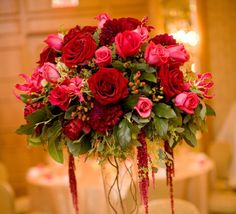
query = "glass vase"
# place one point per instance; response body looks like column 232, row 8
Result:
column 119, row 180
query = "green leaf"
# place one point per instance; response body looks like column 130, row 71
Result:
column 69, row 111
column 164, row 110
column 27, row 129
column 130, row 101
column 161, row 126
column 24, row 98
column 124, row 133
column 187, row 118
column 118, row 65
column 34, row 141
column 149, row 77
column 140, row 120
column 80, row 148
column 55, row 150
column 145, row 67
column 210, row 111
column 190, row 137
column 38, row 116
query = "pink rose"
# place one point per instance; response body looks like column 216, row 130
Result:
column 143, row 33
column 127, row 43
column 144, row 107
column 187, row 101
column 54, row 41
column 50, row 72
column 178, row 53
column 102, row 18
column 156, row 54
column 103, row 56
column 59, row 97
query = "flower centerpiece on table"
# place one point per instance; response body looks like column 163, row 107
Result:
column 111, row 92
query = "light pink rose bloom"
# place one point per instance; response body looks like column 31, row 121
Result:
column 178, row 53
column 144, row 107
column 54, row 41
column 143, row 33
column 50, row 72
column 156, row 54
column 75, row 87
column 102, row 18
column 187, row 101
column 103, row 56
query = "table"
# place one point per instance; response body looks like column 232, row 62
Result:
column 49, row 186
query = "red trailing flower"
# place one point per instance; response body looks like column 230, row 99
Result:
column 142, row 159
column 108, row 86
column 104, row 118
column 172, row 82
column 79, row 49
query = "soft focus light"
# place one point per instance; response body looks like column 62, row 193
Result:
column 193, row 68
column 64, row 3
column 190, row 37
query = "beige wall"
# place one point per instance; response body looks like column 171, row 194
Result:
column 218, row 22
column 23, row 26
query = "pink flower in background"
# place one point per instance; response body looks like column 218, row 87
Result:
column 156, row 54
column 143, row 33
column 102, row 18
column 178, row 53
column 187, row 101
column 103, row 56
column 127, row 43
column 144, row 107
column 59, row 97
column 204, row 83
column 50, row 72
column 54, row 41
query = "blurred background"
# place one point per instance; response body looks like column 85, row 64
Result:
column 207, row 27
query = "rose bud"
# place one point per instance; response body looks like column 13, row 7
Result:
column 144, row 107
column 50, row 72
column 102, row 18
column 103, row 56
column 187, row 101
column 143, row 33
column 178, row 53
column 54, row 41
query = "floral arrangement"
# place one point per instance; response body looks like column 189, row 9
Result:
column 112, row 92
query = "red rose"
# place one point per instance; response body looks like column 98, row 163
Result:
column 103, row 56
column 104, row 118
column 108, row 86
column 47, row 55
column 172, row 82
column 187, row 101
column 74, row 129
column 50, row 72
column 59, row 97
column 127, row 43
column 79, row 49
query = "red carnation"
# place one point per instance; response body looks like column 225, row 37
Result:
column 108, row 86
column 104, row 118
column 172, row 82
column 164, row 39
column 112, row 27
column 73, row 129
column 79, row 49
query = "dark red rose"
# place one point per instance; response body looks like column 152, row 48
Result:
column 77, row 29
column 164, row 39
column 74, row 129
column 108, row 86
column 112, row 27
column 127, row 43
column 172, row 82
column 47, row 55
column 79, row 49
column 104, row 118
